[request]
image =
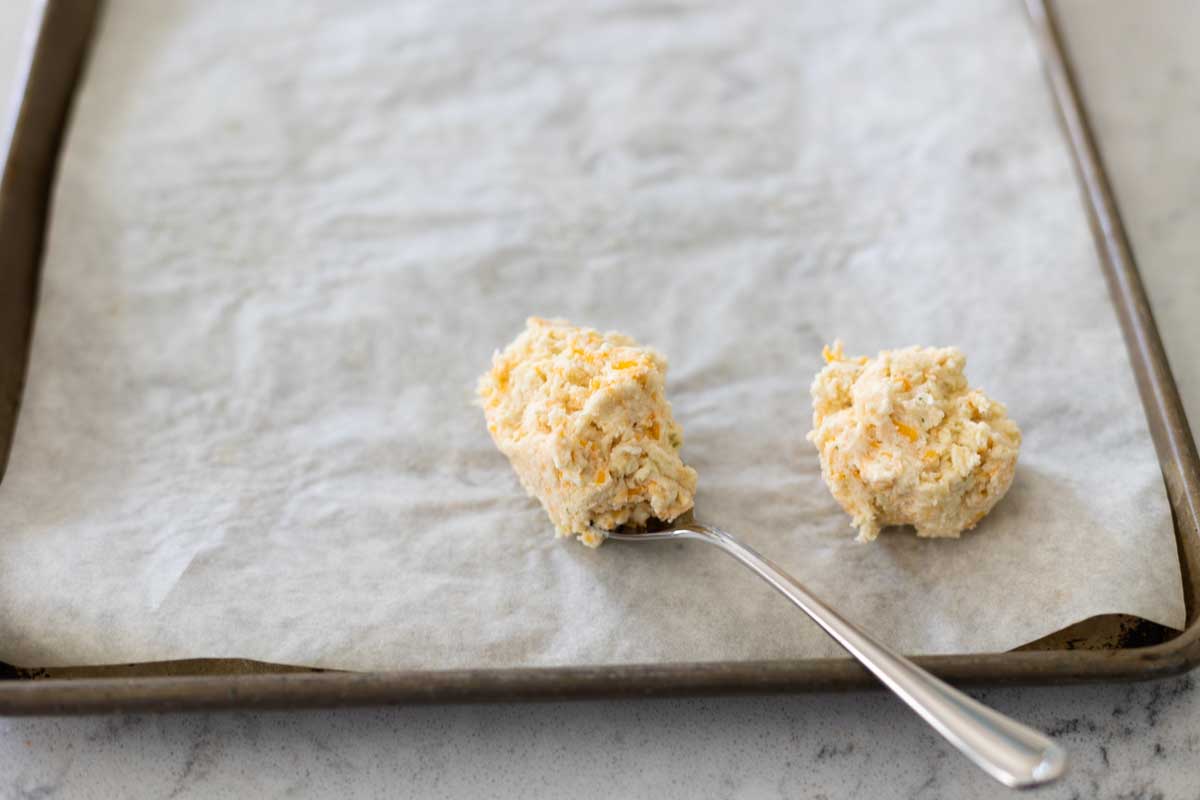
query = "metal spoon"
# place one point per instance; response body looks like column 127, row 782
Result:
column 1010, row 752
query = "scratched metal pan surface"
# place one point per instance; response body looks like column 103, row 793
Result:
column 1104, row 648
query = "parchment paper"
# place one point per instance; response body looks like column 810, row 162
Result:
column 286, row 239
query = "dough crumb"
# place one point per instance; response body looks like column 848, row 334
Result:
column 905, row 441
column 583, row 418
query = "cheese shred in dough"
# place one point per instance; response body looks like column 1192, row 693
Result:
column 583, row 418
column 905, row 441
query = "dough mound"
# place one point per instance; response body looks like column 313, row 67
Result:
column 905, row 441
column 583, row 419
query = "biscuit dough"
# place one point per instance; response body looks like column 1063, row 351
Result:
column 583, row 418
column 905, row 441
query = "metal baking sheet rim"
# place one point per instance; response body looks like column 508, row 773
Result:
column 63, row 32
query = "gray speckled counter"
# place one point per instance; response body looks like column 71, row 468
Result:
column 1141, row 72
column 1127, row 741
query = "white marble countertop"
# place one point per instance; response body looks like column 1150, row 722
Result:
column 1141, row 72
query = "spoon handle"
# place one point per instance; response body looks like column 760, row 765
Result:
column 1010, row 752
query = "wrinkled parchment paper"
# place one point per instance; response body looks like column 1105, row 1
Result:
column 286, row 240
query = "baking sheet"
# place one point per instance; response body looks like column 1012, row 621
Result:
column 284, row 245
